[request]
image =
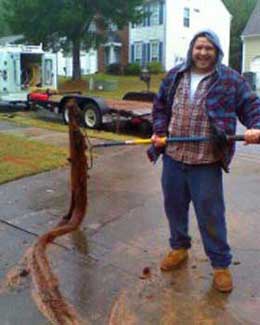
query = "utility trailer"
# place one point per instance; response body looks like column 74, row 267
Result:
column 96, row 111
column 27, row 67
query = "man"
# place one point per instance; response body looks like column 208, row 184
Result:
column 201, row 97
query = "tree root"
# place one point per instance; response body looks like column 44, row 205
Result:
column 46, row 291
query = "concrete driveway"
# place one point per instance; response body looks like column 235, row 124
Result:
column 100, row 267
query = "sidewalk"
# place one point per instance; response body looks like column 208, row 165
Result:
column 51, row 137
column 124, row 231
column 34, row 133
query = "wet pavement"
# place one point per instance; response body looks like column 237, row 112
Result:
column 100, row 267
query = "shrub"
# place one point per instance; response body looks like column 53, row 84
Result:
column 132, row 69
column 114, row 68
column 155, row 67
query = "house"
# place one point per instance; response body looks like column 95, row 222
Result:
column 251, row 44
column 88, row 63
column 115, row 49
column 12, row 39
column 165, row 33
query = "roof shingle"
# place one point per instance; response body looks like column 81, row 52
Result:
column 253, row 24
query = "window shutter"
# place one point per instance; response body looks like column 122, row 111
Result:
column 161, row 13
column 149, row 15
column 132, row 53
column 148, row 52
column 145, row 18
column 160, row 51
column 143, row 54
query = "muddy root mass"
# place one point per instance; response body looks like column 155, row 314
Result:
column 46, row 293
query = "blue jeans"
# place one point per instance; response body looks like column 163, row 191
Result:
column 203, row 186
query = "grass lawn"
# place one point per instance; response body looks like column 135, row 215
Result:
column 20, row 157
column 125, row 84
column 32, row 119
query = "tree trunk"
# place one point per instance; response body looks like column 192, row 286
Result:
column 76, row 73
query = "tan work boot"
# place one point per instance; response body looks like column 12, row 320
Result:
column 222, row 280
column 174, row 259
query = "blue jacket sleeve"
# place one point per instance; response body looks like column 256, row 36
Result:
column 154, row 153
column 161, row 117
column 161, row 111
column 248, row 105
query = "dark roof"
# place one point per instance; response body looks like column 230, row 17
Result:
column 253, row 24
column 11, row 39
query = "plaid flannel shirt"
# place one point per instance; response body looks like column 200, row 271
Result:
column 228, row 98
column 189, row 119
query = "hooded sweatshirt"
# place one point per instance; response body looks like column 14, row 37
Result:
column 213, row 38
column 230, row 97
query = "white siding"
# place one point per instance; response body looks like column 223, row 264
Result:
column 88, row 62
column 149, row 33
column 176, row 37
column 202, row 15
column 251, row 50
column 251, row 57
column 145, row 34
column 220, row 25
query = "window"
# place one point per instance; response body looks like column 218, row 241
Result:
column 140, row 10
column 113, row 27
column 186, row 17
column 138, row 52
column 154, row 51
column 155, row 14
column 92, row 27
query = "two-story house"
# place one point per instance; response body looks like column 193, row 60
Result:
column 251, row 44
column 166, row 31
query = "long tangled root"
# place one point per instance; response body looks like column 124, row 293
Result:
column 46, row 291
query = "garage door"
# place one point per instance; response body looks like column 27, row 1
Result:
column 255, row 67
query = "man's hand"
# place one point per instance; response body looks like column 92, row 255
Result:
column 159, row 142
column 252, row 136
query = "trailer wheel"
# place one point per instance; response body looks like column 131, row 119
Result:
column 65, row 115
column 145, row 128
column 92, row 117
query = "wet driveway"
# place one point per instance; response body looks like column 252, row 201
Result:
column 100, row 267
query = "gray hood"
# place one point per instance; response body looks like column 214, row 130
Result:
column 213, row 38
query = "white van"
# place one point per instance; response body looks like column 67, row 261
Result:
column 23, row 67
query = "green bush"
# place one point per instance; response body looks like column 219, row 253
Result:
column 114, row 69
column 132, row 69
column 155, row 67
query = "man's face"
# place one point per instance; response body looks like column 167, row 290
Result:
column 204, row 55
